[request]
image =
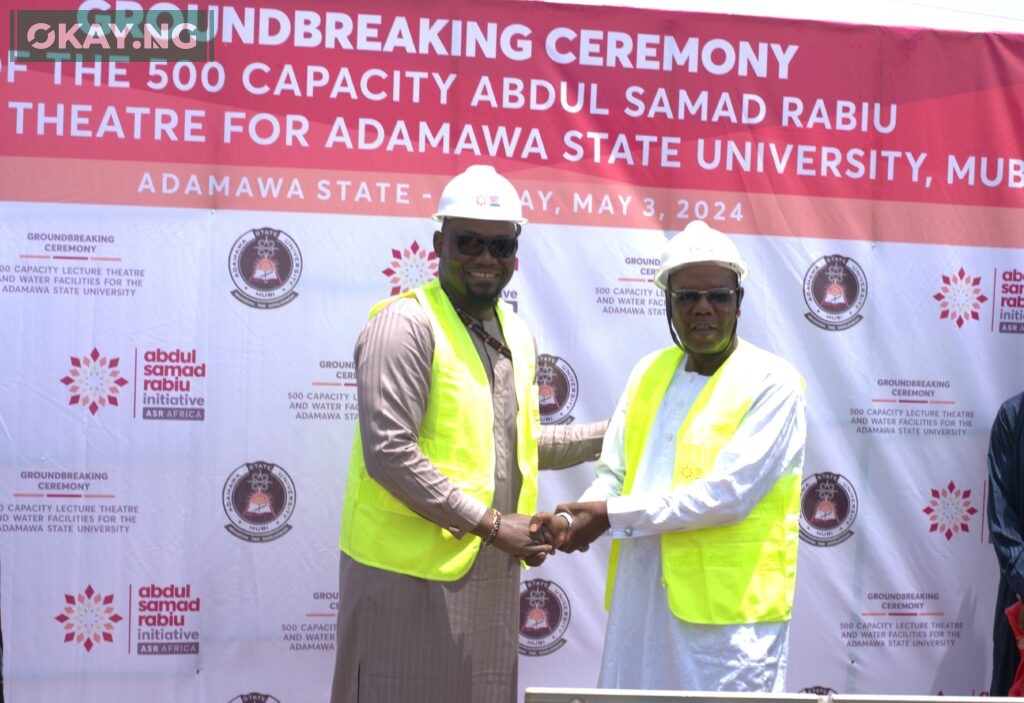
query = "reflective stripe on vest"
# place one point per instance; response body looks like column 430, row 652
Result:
column 456, row 434
column 739, row 573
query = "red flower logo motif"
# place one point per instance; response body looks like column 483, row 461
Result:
column 94, row 381
column 960, row 297
column 88, row 618
column 949, row 511
column 410, row 268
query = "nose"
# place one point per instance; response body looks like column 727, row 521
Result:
column 485, row 256
column 703, row 305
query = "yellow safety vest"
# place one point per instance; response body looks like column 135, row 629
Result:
column 457, row 435
column 739, row 573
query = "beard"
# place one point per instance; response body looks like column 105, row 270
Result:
column 483, row 299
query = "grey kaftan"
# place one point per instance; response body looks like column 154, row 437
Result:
column 402, row 638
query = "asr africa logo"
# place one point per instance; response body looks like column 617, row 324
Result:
column 960, row 298
column 410, row 267
column 88, row 618
column 949, row 510
column 94, row 381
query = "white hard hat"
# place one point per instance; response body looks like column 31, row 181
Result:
column 480, row 193
column 699, row 244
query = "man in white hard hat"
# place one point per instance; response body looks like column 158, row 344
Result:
column 699, row 482
column 442, row 477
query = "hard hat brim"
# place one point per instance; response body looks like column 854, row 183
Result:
column 661, row 280
column 438, row 217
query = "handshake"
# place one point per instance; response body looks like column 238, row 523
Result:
column 570, row 528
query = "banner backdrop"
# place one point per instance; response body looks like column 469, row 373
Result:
column 189, row 251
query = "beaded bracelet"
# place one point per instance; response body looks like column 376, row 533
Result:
column 495, row 526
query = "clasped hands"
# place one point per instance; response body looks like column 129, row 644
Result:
column 570, row 528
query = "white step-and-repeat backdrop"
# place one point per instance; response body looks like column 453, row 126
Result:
column 188, row 251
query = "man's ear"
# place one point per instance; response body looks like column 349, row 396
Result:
column 739, row 299
column 437, row 242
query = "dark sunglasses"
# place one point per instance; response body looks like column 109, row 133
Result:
column 472, row 245
column 719, row 297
